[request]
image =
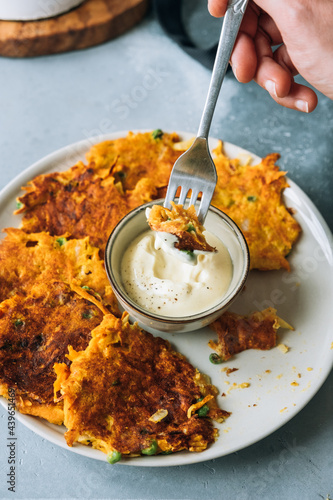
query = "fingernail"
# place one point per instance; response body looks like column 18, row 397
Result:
column 271, row 87
column 234, row 70
column 302, row 106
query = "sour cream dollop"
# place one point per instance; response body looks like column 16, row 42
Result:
column 165, row 281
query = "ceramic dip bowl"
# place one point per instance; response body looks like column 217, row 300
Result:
column 134, row 224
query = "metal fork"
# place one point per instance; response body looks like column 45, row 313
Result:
column 195, row 170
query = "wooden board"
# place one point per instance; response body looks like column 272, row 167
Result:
column 91, row 23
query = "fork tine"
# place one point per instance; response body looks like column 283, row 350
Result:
column 206, row 198
column 170, row 195
column 183, row 195
column 194, row 196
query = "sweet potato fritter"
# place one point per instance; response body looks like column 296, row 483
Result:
column 29, row 258
column 81, row 202
column 237, row 333
column 252, row 197
column 47, row 286
column 130, row 393
column 182, row 223
column 91, row 200
column 35, row 331
column 144, row 155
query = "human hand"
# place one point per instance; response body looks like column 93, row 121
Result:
column 303, row 31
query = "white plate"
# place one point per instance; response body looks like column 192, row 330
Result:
column 302, row 297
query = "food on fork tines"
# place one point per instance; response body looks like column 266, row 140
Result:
column 182, row 223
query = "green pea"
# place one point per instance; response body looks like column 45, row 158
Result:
column 151, row 450
column 215, row 359
column 202, row 412
column 61, row 241
column 113, row 457
column 251, row 198
column 157, row 134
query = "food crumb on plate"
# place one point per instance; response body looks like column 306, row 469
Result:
column 229, row 370
column 243, row 385
column 307, row 386
column 283, row 348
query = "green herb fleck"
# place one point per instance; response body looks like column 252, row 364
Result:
column 19, row 205
column 85, row 287
column 157, row 134
column 169, row 452
column 151, row 450
column 252, row 198
column 18, row 323
column 61, row 241
column 113, row 457
column 215, row 359
column 116, row 382
column 190, row 228
column 87, row 314
column 188, row 252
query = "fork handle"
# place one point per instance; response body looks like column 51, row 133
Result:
column 231, row 24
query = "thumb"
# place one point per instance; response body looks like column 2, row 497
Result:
column 217, row 8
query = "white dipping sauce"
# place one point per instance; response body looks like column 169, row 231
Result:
column 163, row 281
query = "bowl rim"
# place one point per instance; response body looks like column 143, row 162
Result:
column 177, row 320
